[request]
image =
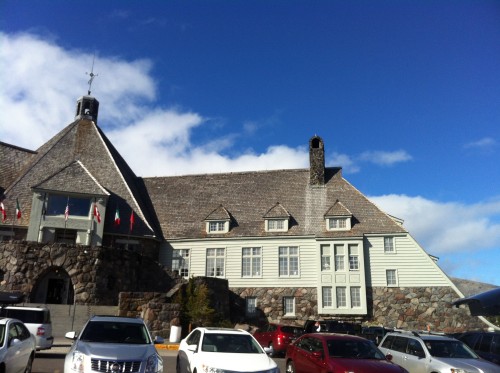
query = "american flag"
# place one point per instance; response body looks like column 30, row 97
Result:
column 66, row 213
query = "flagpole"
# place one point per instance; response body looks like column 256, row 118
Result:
column 66, row 214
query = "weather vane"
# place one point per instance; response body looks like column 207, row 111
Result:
column 92, row 76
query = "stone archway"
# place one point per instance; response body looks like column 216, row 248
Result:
column 53, row 287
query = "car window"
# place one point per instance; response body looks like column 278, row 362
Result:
column 353, row 349
column 194, row 338
column 12, row 332
column 415, row 348
column 22, row 332
column 291, row 330
column 272, row 328
column 115, row 332
column 2, row 334
column 486, row 342
column 230, row 343
column 387, row 343
column 27, row 316
column 470, row 339
column 450, row 349
column 399, row 344
column 305, row 344
column 495, row 344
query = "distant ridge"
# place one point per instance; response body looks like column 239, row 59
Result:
column 468, row 287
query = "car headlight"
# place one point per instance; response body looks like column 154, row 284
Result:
column 78, row 362
column 458, row 370
column 154, row 364
column 209, row 369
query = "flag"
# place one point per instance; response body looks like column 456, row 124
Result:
column 97, row 214
column 117, row 218
column 132, row 220
column 4, row 213
column 18, row 210
column 66, row 212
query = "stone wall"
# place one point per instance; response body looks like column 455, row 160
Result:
column 405, row 308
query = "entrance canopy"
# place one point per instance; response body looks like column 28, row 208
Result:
column 482, row 304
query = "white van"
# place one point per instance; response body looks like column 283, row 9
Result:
column 36, row 319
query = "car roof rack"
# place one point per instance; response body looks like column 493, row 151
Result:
column 7, row 298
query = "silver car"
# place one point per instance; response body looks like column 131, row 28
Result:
column 17, row 347
column 113, row 344
column 430, row 353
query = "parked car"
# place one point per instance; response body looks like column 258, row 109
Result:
column 113, row 344
column 17, row 347
column 277, row 337
column 222, row 350
column 375, row 333
column 485, row 344
column 332, row 326
column 331, row 352
column 426, row 353
column 37, row 320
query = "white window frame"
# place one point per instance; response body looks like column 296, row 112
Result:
column 288, row 262
column 353, row 257
column 252, row 255
column 276, row 225
column 215, row 257
column 180, row 261
column 389, row 245
column 288, row 306
column 341, row 296
column 251, row 306
column 338, row 223
column 327, row 296
column 326, row 257
column 391, row 280
column 339, row 254
column 217, row 226
column 355, row 296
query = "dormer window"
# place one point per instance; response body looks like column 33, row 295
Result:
column 338, row 218
column 218, row 221
column 219, row 226
column 276, row 219
column 277, row 225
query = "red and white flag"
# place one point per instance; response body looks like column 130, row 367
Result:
column 66, row 212
column 18, row 210
column 4, row 213
column 97, row 214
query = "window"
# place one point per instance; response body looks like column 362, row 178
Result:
column 289, row 306
column 215, row 263
column 289, row 261
column 325, row 257
column 276, row 225
column 251, row 262
column 67, row 236
column 251, row 306
column 337, row 223
column 339, row 258
column 391, row 277
column 389, row 245
column 353, row 258
column 56, row 205
column 217, row 226
column 327, row 296
column 180, row 262
column 355, row 297
column 341, row 297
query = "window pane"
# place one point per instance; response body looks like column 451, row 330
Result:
column 77, row 206
column 341, row 297
column 289, row 261
column 391, row 277
column 388, row 244
column 327, row 297
column 355, row 297
column 289, row 305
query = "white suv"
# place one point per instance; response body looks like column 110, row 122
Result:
column 430, row 353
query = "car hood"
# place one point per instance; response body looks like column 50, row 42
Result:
column 484, row 365
column 115, row 351
column 366, row 365
column 234, row 362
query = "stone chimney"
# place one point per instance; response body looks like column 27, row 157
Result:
column 317, row 161
column 87, row 107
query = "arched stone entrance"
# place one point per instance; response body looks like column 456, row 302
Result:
column 53, row 287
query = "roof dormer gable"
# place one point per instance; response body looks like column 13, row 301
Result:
column 277, row 219
column 338, row 217
column 218, row 221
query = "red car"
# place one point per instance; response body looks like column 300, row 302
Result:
column 329, row 352
column 277, row 336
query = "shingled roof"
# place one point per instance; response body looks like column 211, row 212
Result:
column 81, row 159
column 182, row 203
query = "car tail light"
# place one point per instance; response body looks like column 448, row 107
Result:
column 280, row 338
column 40, row 331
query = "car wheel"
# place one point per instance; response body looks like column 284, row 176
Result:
column 290, row 368
column 29, row 365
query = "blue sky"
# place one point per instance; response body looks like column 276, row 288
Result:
column 405, row 94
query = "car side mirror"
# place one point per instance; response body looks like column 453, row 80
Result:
column 70, row 335
column 388, row 357
column 318, row 355
column 192, row 348
column 158, row 340
column 268, row 350
column 14, row 341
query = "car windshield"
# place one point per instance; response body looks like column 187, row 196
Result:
column 353, row 349
column 450, row 349
column 230, row 343
column 2, row 334
column 115, row 332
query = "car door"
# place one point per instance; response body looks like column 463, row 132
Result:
column 310, row 356
column 18, row 350
column 415, row 359
column 186, row 356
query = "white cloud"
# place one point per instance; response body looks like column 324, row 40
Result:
column 385, row 158
column 444, row 228
column 486, row 143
